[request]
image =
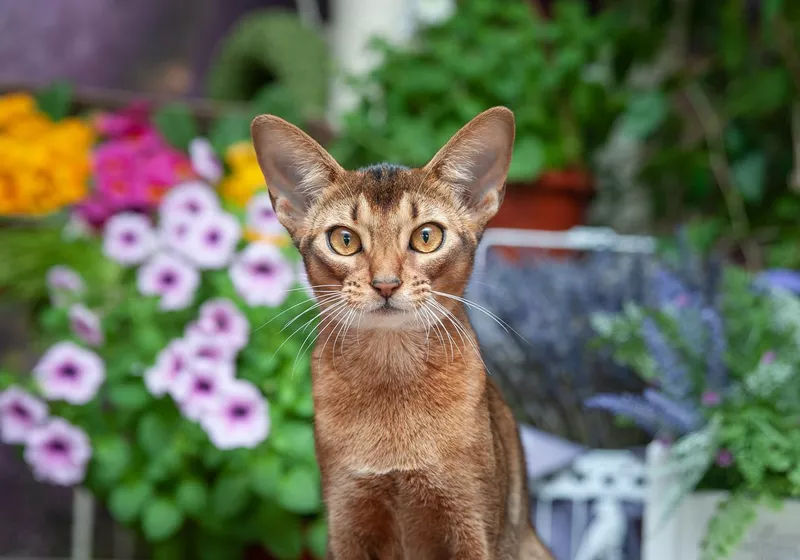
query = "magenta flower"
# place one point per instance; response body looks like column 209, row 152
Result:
column 171, row 363
column 239, row 417
column 221, row 319
column 197, row 390
column 768, row 357
column 133, row 120
column 208, row 347
column 58, row 452
column 212, row 240
column 192, row 199
column 169, row 277
column 64, row 284
column 204, row 161
column 70, row 373
column 85, row 324
column 20, row 413
column 261, row 216
column 129, row 238
column 724, row 458
column 261, row 275
column 710, row 398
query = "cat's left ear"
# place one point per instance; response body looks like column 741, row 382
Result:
column 476, row 160
column 295, row 167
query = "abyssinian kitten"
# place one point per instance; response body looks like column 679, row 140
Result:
column 419, row 454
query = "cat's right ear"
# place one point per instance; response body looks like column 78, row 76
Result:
column 295, row 167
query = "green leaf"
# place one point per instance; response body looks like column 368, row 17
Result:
column 528, row 160
column 645, row 113
column 230, row 494
column 127, row 501
column 161, row 519
column 317, row 538
column 748, row 174
column 728, row 526
column 299, row 491
column 112, row 455
column 191, row 496
column 295, row 439
column 55, row 101
column 177, row 124
column 282, row 532
column 153, row 433
column 265, row 473
column 129, row 396
column 229, row 129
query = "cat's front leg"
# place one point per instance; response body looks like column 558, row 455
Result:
column 361, row 522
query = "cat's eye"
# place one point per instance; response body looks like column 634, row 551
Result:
column 427, row 238
column 344, row 241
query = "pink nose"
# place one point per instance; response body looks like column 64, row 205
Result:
column 386, row 286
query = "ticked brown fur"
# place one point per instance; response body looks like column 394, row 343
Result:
column 419, row 454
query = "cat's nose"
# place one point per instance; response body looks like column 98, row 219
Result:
column 386, row 286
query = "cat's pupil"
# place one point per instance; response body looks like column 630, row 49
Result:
column 346, row 239
column 426, row 235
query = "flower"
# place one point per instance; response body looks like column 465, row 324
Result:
column 175, row 233
column 64, row 285
column 169, row 277
column 20, row 413
column 198, row 388
column 245, row 179
column 133, row 120
column 261, row 217
column 171, row 363
column 129, row 238
column 221, row 319
column 724, row 458
column 58, row 452
column 85, row 324
column 768, row 357
column 192, row 199
column 238, row 417
column 710, row 398
column 204, row 346
column 261, row 275
column 212, row 240
column 69, row 372
column 204, row 160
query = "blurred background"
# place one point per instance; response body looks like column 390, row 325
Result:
column 637, row 286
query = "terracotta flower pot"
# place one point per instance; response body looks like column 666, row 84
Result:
column 556, row 201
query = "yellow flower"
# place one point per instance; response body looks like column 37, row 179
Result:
column 14, row 106
column 279, row 240
column 245, row 178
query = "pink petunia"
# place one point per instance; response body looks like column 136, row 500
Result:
column 261, row 275
column 171, row 278
column 205, row 346
column 221, row 318
column 197, row 390
column 212, row 240
column 192, row 199
column 70, row 373
column 176, row 232
column 171, row 363
column 86, row 325
column 65, row 285
column 238, row 417
column 261, row 216
column 58, row 452
column 129, row 238
column 20, row 413
column 204, row 161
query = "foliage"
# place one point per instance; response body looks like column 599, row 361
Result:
column 729, row 363
column 137, row 434
column 724, row 149
column 553, row 74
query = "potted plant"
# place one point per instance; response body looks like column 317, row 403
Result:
column 553, row 73
column 723, row 406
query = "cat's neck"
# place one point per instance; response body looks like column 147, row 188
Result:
column 396, row 355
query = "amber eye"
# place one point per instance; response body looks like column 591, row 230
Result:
column 344, row 241
column 427, row 238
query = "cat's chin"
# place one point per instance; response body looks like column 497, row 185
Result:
column 390, row 318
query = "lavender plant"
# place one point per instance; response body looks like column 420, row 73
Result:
column 171, row 392
column 721, row 364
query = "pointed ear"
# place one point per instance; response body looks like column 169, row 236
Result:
column 295, row 167
column 476, row 160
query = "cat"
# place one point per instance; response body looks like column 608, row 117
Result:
column 419, row 454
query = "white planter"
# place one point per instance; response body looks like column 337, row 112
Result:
column 775, row 535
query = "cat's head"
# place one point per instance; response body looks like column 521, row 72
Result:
column 385, row 239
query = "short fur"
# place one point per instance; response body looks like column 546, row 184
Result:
column 419, row 454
